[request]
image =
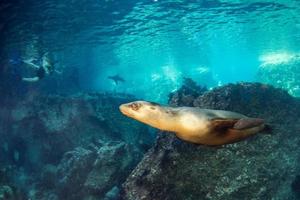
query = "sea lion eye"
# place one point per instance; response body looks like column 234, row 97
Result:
column 135, row 106
column 152, row 108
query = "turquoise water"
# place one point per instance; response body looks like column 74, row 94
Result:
column 153, row 44
column 68, row 124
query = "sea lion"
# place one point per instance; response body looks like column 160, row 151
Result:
column 116, row 79
column 200, row 126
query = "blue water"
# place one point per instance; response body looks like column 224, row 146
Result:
column 152, row 44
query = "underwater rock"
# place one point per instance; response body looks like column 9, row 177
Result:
column 112, row 194
column 94, row 172
column 73, row 168
column 48, row 176
column 187, row 93
column 42, row 195
column 111, row 162
column 42, row 129
column 296, row 186
column 9, row 190
column 6, row 193
column 39, row 130
column 261, row 167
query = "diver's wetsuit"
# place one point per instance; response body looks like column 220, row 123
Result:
column 40, row 73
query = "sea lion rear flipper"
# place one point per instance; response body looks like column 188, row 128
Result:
column 246, row 123
column 224, row 123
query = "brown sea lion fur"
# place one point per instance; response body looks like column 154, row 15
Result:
column 200, row 126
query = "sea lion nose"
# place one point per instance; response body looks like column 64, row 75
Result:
column 123, row 107
column 129, row 106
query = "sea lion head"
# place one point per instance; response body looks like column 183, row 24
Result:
column 147, row 112
column 140, row 110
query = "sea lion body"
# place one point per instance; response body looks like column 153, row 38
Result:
column 200, row 126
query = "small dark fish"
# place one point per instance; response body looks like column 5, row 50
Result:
column 116, row 78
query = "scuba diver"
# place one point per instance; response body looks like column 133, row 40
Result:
column 46, row 68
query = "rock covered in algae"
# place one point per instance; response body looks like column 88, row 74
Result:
column 6, row 193
column 95, row 172
column 7, row 189
column 187, row 93
column 43, row 136
column 40, row 130
column 261, row 167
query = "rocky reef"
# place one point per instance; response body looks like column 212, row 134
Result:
column 94, row 172
column 265, row 166
column 186, row 93
column 81, row 148
column 74, row 147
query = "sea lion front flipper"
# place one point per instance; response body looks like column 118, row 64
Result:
column 246, row 123
column 224, row 123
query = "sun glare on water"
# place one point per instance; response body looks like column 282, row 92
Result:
column 270, row 59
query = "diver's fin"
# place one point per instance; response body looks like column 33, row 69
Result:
column 224, row 123
column 33, row 79
column 246, row 123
